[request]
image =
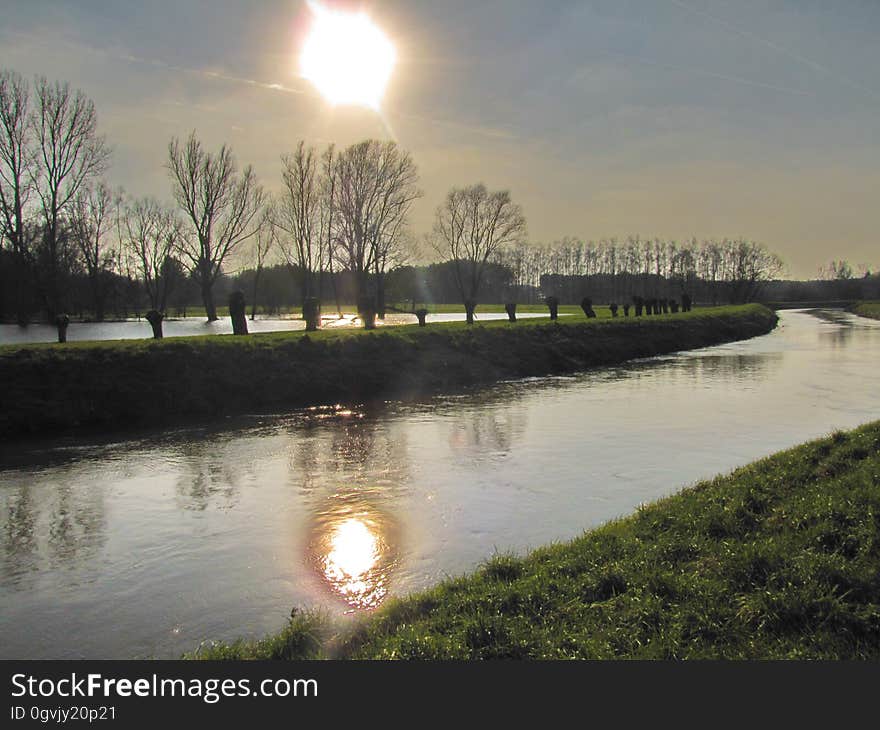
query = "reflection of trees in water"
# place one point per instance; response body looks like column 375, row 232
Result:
column 488, row 429
column 77, row 520
column 839, row 333
column 208, row 475
column 836, row 338
column 723, row 366
column 845, row 327
column 19, row 525
column 62, row 522
column 352, row 448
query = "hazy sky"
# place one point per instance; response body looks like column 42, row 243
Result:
column 674, row 118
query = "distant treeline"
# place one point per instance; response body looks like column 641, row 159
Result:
column 280, row 289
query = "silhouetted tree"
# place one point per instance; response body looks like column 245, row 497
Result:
column 376, row 186
column 70, row 153
column 470, row 228
column 155, row 319
column 839, row 270
column 264, row 241
column 17, row 175
column 222, row 206
column 150, row 234
column 238, row 313
column 298, row 215
column 90, row 223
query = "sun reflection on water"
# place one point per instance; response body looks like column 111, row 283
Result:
column 355, row 558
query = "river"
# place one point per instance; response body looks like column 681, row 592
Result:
column 148, row 544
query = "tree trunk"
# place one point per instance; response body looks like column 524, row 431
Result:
column 22, row 292
column 98, row 301
column 256, row 286
column 208, row 301
column 510, row 308
column 62, row 321
column 469, row 307
column 367, row 312
column 238, row 313
column 155, row 318
column 312, row 313
column 380, row 295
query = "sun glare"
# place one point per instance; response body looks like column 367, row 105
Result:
column 351, row 562
column 347, row 57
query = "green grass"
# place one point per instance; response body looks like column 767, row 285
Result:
column 601, row 311
column 866, row 309
column 778, row 560
column 406, row 333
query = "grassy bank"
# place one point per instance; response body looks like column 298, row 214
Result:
column 780, row 559
column 866, row 309
column 53, row 387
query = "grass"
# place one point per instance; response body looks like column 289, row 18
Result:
column 866, row 309
column 408, row 333
column 778, row 560
column 51, row 387
column 538, row 308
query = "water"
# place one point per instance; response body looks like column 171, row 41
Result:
column 139, row 329
column 148, row 545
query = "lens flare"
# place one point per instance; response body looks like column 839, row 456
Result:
column 347, row 57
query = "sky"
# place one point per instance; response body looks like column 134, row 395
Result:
column 670, row 118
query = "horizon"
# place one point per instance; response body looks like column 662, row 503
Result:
column 597, row 118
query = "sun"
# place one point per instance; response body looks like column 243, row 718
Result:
column 347, row 57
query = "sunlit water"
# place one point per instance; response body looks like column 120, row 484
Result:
column 139, row 329
column 148, row 546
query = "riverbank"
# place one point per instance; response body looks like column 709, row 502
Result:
column 53, row 388
column 778, row 560
column 866, row 309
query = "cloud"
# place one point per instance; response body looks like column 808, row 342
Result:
column 787, row 52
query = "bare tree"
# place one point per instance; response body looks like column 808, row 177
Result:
column 376, row 186
column 264, row 241
column 470, row 228
column 16, row 175
column 750, row 265
column 90, row 222
column 70, row 153
column 150, row 234
column 836, row 270
column 222, row 206
column 329, row 216
column 299, row 216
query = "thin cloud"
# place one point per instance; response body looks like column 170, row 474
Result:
column 793, row 55
column 205, row 73
column 705, row 72
column 157, row 63
column 491, row 132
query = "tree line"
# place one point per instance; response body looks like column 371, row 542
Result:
column 338, row 227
